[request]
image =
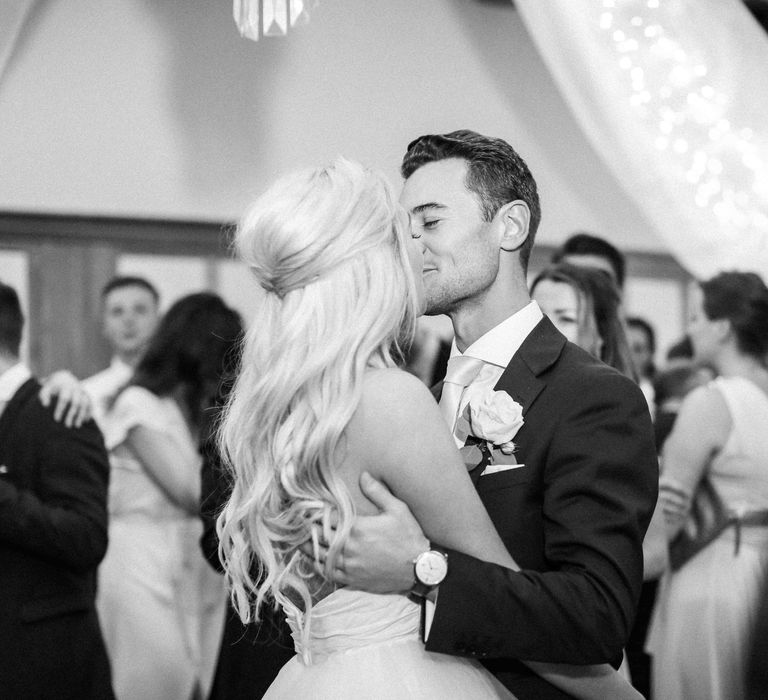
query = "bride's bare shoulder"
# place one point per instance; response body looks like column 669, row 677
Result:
column 396, row 414
column 392, row 388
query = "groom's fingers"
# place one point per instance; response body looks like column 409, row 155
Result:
column 378, row 493
column 340, row 577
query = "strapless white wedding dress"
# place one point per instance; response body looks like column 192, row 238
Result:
column 365, row 646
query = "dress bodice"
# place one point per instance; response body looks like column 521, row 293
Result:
column 739, row 471
column 348, row 619
column 132, row 491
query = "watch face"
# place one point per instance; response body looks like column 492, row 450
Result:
column 431, row 568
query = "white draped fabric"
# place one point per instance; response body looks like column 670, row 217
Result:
column 13, row 15
column 673, row 94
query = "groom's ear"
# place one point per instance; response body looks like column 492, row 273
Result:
column 514, row 218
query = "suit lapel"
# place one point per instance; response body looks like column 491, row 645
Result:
column 539, row 351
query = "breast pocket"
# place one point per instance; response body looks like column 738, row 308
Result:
column 518, row 474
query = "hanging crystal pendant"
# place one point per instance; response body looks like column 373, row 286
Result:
column 275, row 17
column 256, row 18
column 299, row 14
column 247, row 18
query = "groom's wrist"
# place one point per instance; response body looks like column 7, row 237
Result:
column 430, row 568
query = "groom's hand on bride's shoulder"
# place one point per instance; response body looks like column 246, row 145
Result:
column 379, row 553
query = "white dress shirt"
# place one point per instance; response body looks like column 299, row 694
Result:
column 497, row 346
column 11, row 381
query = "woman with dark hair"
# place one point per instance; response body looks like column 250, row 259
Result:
column 161, row 606
column 584, row 304
column 707, row 604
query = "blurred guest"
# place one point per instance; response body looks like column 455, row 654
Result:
column 53, row 534
column 250, row 656
column 130, row 311
column 706, row 607
column 642, row 345
column 584, row 305
column 757, row 669
column 670, row 387
column 586, row 250
column 161, row 606
column 681, row 350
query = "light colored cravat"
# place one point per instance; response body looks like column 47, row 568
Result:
column 462, row 371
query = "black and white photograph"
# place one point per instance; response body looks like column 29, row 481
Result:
column 384, row 351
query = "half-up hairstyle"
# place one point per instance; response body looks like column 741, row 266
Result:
column 328, row 246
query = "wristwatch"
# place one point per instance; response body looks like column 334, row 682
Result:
column 429, row 570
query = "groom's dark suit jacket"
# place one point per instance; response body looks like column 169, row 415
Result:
column 573, row 517
column 53, row 534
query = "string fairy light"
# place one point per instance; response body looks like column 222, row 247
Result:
column 669, row 88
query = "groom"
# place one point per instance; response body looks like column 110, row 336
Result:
column 573, row 502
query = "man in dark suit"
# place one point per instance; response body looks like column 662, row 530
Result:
column 53, row 534
column 574, row 500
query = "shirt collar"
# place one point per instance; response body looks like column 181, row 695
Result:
column 498, row 345
column 12, row 379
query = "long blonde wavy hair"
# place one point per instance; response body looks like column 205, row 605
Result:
column 328, row 246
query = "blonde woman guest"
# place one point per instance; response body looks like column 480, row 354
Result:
column 160, row 604
column 706, row 609
column 342, row 277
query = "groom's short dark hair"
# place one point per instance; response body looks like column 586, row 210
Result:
column 11, row 321
column 495, row 173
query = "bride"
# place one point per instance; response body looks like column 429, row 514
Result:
column 318, row 401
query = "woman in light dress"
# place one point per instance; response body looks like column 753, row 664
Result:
column 317, row 403
column 706, row 609
column 161, row 606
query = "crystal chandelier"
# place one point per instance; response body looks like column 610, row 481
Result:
column 255, row 18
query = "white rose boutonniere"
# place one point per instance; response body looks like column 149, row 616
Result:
column 494, row 416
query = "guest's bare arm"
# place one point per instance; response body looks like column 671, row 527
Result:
column 700, row 430
column 179, row 479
